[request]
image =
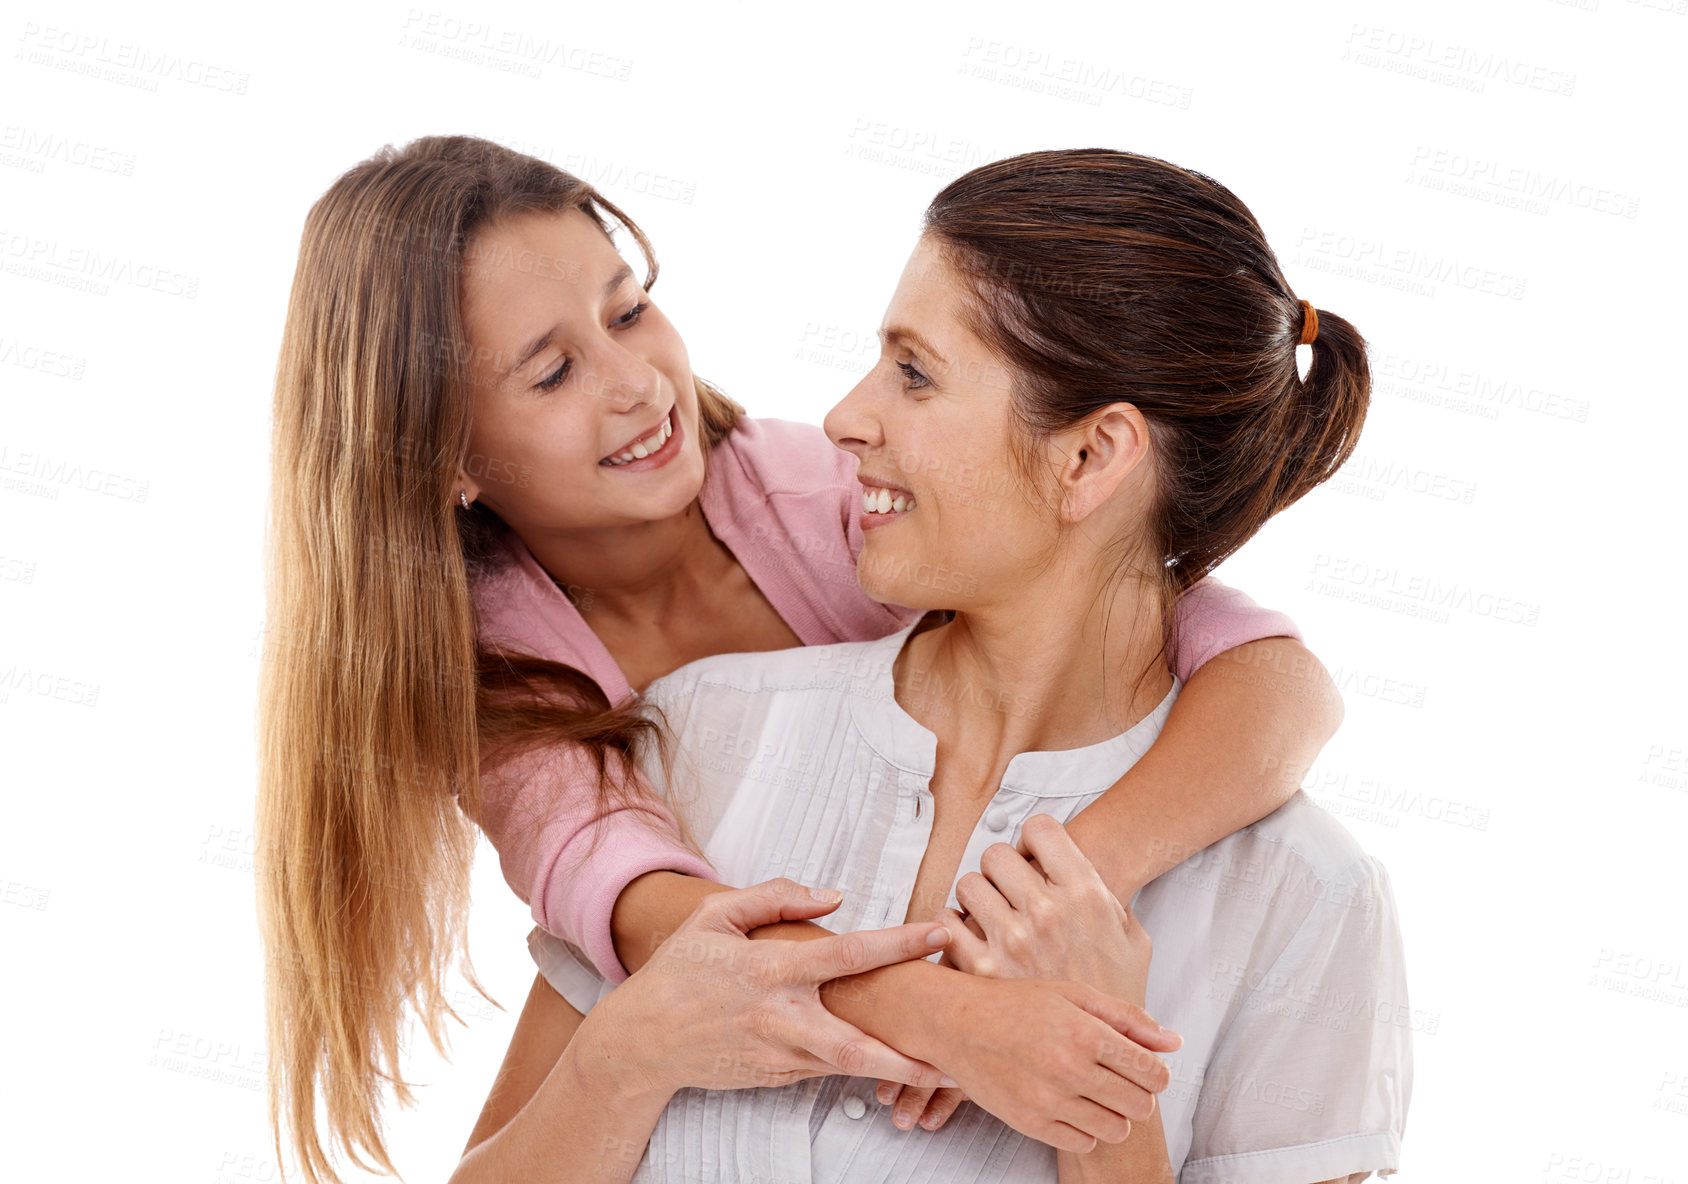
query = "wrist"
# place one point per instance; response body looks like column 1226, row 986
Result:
column 615, row 1070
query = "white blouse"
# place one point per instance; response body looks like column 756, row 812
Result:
column 1277, row 953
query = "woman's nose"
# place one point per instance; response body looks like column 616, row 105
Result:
column 851, row 424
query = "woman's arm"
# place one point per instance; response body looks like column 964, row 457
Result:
column 1049, row 1033
column 577, row 1097
column 562, row 1107
column 1235, row 746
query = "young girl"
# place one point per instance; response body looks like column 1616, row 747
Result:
column 1277, row 952
column 474, row 571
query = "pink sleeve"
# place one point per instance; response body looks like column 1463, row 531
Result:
column 1212, row 618
column 565, row 860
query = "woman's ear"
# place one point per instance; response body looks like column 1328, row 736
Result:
column 1100, row 453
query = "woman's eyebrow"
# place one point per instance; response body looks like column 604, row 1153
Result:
column 898, row 334
column 621, row 276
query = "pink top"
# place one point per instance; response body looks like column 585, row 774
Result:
column 785, row 501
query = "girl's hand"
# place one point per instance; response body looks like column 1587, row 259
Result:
column 1049, row 916
column 1041, row 910
column 748, row 1013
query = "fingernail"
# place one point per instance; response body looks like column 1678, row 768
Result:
column 938, row 937
column 886, row 1093
column 904, row 1119
column 947, row 1081
column 830, row 895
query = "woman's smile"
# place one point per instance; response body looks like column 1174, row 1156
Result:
column 883, row 503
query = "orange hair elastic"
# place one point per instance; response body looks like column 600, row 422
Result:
column 1309, row 324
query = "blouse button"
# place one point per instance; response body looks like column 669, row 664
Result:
column 854, row 1106
column 996, row 818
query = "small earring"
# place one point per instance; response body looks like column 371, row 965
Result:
column 463, row 496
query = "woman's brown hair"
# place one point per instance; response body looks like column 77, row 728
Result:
column 379, row 707
column 1103, row 277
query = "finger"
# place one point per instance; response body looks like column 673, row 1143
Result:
column 1056, row 853
column 1118, row 1088
column 1068, row 1138
column 743, row 909
column 1127, row 1019
column 910, row 1106
column 1102, row 1121
column 967, row 941
column 887, row 1092
column 1008, row 870
column 939, row 1109
column 983, row 903
column 825, row 958
column 852, row 1052
column 1142, row 1070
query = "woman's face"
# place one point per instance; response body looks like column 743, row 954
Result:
column 931, row 425
column 573, row 372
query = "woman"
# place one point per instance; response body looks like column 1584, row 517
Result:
column 473, row 573
column 1155, row 417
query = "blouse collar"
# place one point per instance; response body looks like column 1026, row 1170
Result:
column 907, row 744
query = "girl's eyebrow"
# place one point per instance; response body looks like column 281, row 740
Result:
column 621, row 276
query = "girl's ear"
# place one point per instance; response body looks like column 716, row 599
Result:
column 467, row 490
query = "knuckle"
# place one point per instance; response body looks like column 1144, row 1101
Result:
column 852, row 951
column 850, row 1056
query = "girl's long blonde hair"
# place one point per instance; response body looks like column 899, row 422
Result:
column 378, row 705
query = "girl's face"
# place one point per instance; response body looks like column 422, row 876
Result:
column 574, row 374
column 949, row 521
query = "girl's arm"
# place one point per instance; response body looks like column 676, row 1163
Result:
column 1235, row 746
column 578, row 1097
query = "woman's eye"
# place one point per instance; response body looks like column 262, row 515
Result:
column 633, row 314
column 556, row 377
column 912, row 377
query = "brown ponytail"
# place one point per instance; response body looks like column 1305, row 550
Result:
column 1103, row 277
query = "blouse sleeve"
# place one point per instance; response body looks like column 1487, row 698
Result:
column 1311, row 1078
column 1211, row 618
column 566, row 859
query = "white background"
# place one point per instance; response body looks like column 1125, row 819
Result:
column 1491, row 192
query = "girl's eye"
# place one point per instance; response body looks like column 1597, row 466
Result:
column 630, row 317
column 556, row 378
column 912, row 377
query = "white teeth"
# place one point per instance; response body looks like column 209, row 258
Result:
column 645, row 447
column 883, row 501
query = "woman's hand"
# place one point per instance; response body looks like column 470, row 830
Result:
column 747, row 1013
column 1049, row 916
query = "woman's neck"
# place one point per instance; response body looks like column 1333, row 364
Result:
column 1048, row 669
column 637, row 572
